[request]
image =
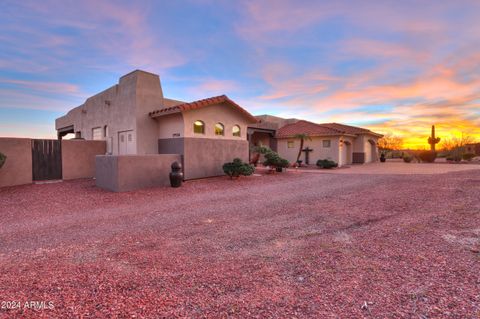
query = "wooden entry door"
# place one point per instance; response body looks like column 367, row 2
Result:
column 46, row 159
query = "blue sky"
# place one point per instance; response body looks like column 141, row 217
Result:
column 393, row 66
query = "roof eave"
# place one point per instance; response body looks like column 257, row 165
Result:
column 155, row 114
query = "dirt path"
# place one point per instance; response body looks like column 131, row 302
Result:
column 287, row 245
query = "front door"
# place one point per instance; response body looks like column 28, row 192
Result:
column 125, row 143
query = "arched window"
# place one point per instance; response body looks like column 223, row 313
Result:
column 236, row 130
column 198, row 127
column 219, row 129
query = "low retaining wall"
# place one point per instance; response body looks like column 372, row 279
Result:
column 17, row 170
column 121, row 173
column 204, row 157
column 78, row 158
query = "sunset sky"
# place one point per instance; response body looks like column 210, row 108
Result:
column 391, row 66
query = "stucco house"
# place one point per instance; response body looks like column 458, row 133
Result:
column 135, row 118
column 341, row 143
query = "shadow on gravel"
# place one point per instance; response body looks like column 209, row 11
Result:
column 366, row 222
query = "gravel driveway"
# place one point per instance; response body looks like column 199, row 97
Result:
column 274, row 246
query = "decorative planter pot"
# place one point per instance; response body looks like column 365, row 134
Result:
column 176, row 176
column 3, row 158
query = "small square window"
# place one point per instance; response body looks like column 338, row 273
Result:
column 97, row 133
column 326, row 143
column 290, row 144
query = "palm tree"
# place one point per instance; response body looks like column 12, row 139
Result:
column 302, row 137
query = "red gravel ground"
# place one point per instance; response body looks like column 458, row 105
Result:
column 294, row 245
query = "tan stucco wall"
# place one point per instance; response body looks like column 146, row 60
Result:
column 346, row 150
column 136, row 94
column 371, row 150
column 17, row 169
column 319, row 152
column 169, row 125
column 210, row 115
column 78, row 158
column 130, row 172
column 204, row 157
column 149, row 97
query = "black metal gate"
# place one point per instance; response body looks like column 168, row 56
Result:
column 46, row 159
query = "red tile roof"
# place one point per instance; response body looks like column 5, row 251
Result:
column 314, row 129
column 202, row 103
column 305, row 127
column 349, row 129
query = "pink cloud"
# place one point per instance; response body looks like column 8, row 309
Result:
column 121, row 31
column 50, row 87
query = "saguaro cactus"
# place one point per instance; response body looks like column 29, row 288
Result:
column 432, row 140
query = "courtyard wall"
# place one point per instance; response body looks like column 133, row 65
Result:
column 121, row 173
column 78, row 158
column 17, row 169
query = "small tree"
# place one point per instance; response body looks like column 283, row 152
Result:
column 302, row 137
column 257, row 151
column 452, row 143
column 3, row 158
column 390, row 142
column 237, row 168
column 273, row 159
column 454, row 147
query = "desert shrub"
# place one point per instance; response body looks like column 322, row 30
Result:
column 3, row 158
column 261, row 149
column 427, row 156
column 468, row 156
column 237, row 168
column 407, row 158
column 454, row 158
column 273, row 159
column 325, row 163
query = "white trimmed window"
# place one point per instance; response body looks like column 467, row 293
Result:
column 290, row 144
column 97, row 133
column 326, row 143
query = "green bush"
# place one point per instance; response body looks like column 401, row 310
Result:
column 261, row 149
column 325, row 163
column 273, row 159
column 427, row 156
column 3, row 158
column 237, row 168
column 407, row 158
column 454, row 158
column 468, row 156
